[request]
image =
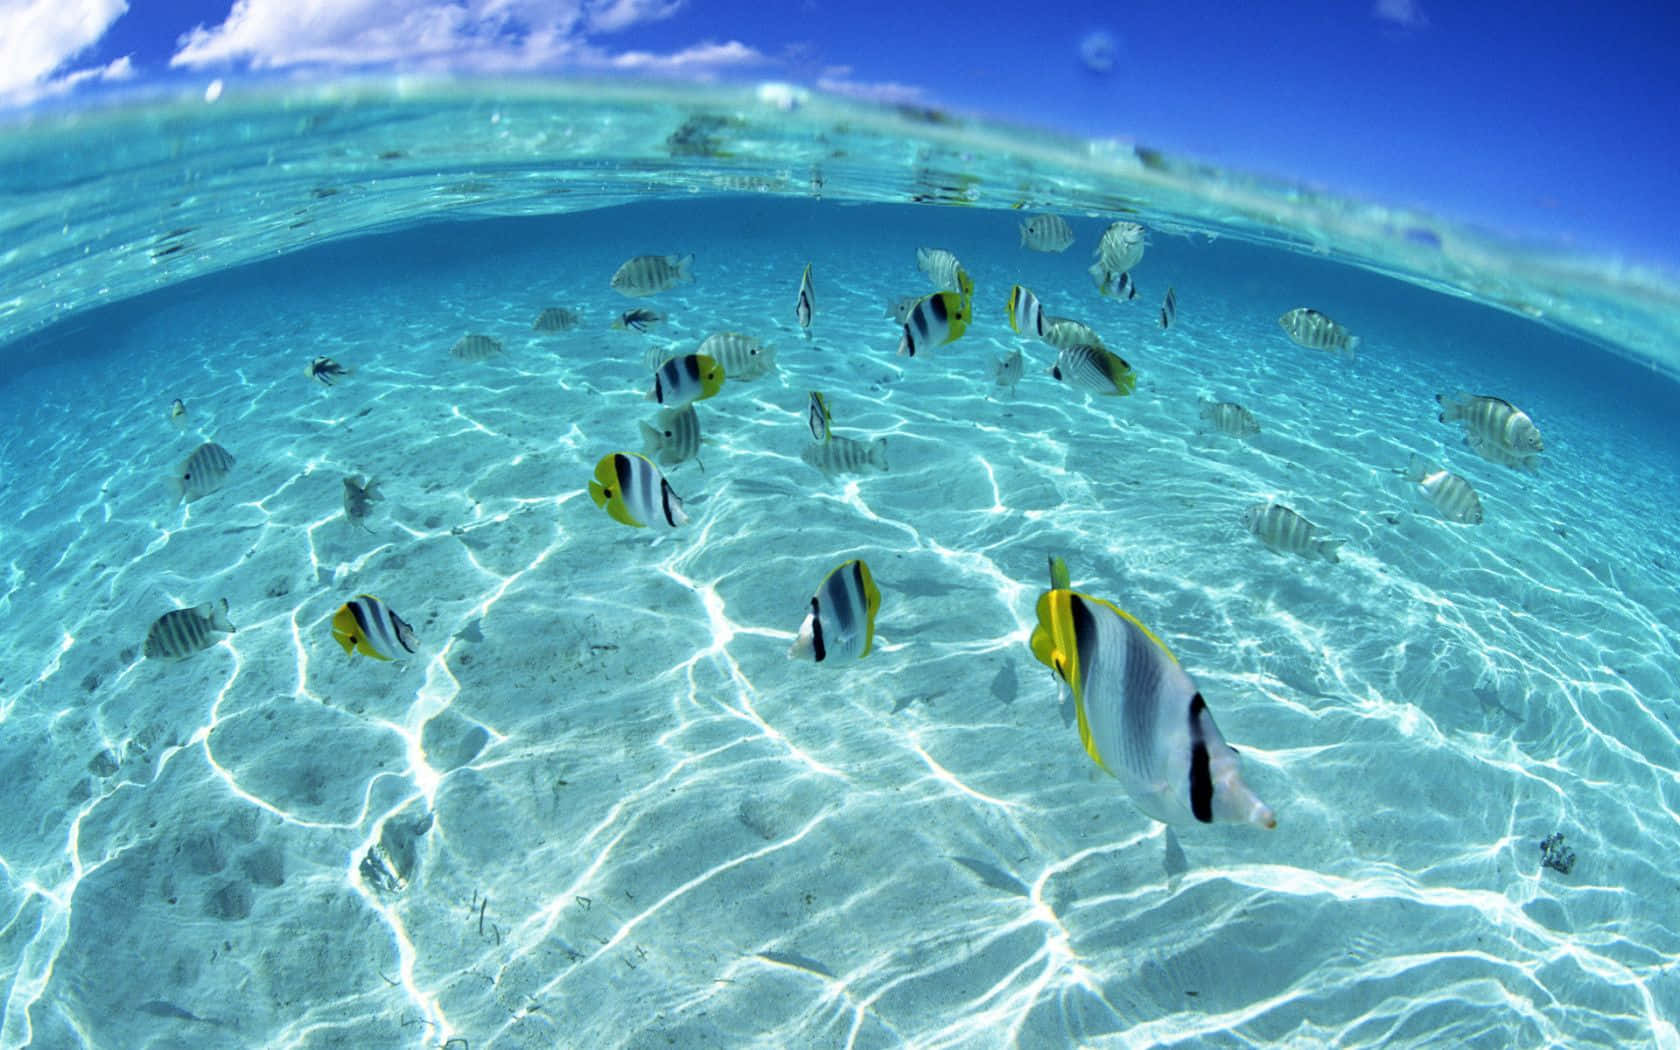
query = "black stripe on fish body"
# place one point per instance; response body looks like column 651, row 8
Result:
column 359, row 611
column 937, row 305
column 403, row 630
column 666, row 496
column 1084, row 639
column 819, row 648
column 625, row 471
column 1201, row 777
column 844, row 590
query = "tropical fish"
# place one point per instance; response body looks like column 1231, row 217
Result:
column 899, row 309
column 691, row 377
column 807, row 302
column 841, row 621
column 633, row 491
column 1169, row 309
column 1451, row 494
column 1313, row 330
column 1063, row 332
column 1046, row 233
column 1228, row 417
column 179, row 633
column 650, row 274
column 1496, row 429
column 840, row 455
column 359, row 498
column 1120, row 286
column 1095, row 368
column 476, row 347
column 1026, row 314
column 639, row 318
column 1118, row 251
column 1009, row 370
column 936, row 320
column 366, row 625
column 675, row 438
column 325, row 370
column 1142, row 719
column 943, row 269
column 202, row 472
column 742, row 356
column 816, row 414
column 178, row 413
column 1287, row 532
column 556, row 319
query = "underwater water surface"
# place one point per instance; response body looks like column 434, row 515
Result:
column 598, row 805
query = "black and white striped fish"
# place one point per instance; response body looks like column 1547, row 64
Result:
column 818, row 418
column 1228, row 417
column 475, row 347
column 1169, row 309
column 1119, row 249
column 742, row 356
column 1287, row 532
column 1095, row 368
column 1496, row 429
column 202, row 472
column 1026, row 313
column 1009, row 370
column 556, row 319
column 691, row 377
column 943, row 269
column 807, row 302
column 1311, row 329
column 839, row 455
column 1142, row 718
column 938, row 319
column 633, row 491
column 651, row 274
column 179, row 633
column 841, row 620
column 367, row 625
column 675, row 437
column 1046, row 233
column 1063, row 332
column 1452, row 495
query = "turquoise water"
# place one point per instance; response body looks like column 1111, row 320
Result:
column 648, row 826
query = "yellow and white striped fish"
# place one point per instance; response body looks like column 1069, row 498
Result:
column 178, row 412
column 818, row 418
column 1494, row 428
column 675, row 437
column 1169, row 309
column 1142, row 719
column 1046, row 233
column 1452, row 495
column 807, row 303
column 742, row 356
column 633, row 491
column 938, row 319
column 690, row 377
column 367, row 625
column 1311, row 329
column 179, row 633
column 651, row 274
column 943, row 269
column 1095, row 368
column 841, row 621
column 1286, row 532
column 204, row 471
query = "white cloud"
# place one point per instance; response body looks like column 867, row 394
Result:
column 609, row 16
column 889, row 91
column 698, row 58
column 1408, row 14
column 38, row 38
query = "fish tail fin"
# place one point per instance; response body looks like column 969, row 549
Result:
column 219, row 617
column 1060, row 580
column 1353, row 344
column 1452, row 407
column 1327, row 550
column 685, row 268
column 878, row 453
column 371, row 490
column 652, row 441
column 1418, row 468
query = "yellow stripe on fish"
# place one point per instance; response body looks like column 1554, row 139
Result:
column 1026, row 314
column 841, row 620
column 690, row 377
column 367, row 625
column 938, row 319
column 1141, row 717
column 633, row 491
column 1095, row 368
column 818, row 418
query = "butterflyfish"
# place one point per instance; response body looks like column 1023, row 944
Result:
column 366, row 625
column 841, row 621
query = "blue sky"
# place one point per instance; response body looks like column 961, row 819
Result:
column 1552, row 120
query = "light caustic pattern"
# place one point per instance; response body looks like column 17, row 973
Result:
column 651, row 828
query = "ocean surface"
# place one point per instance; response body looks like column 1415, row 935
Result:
column 599, row 806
